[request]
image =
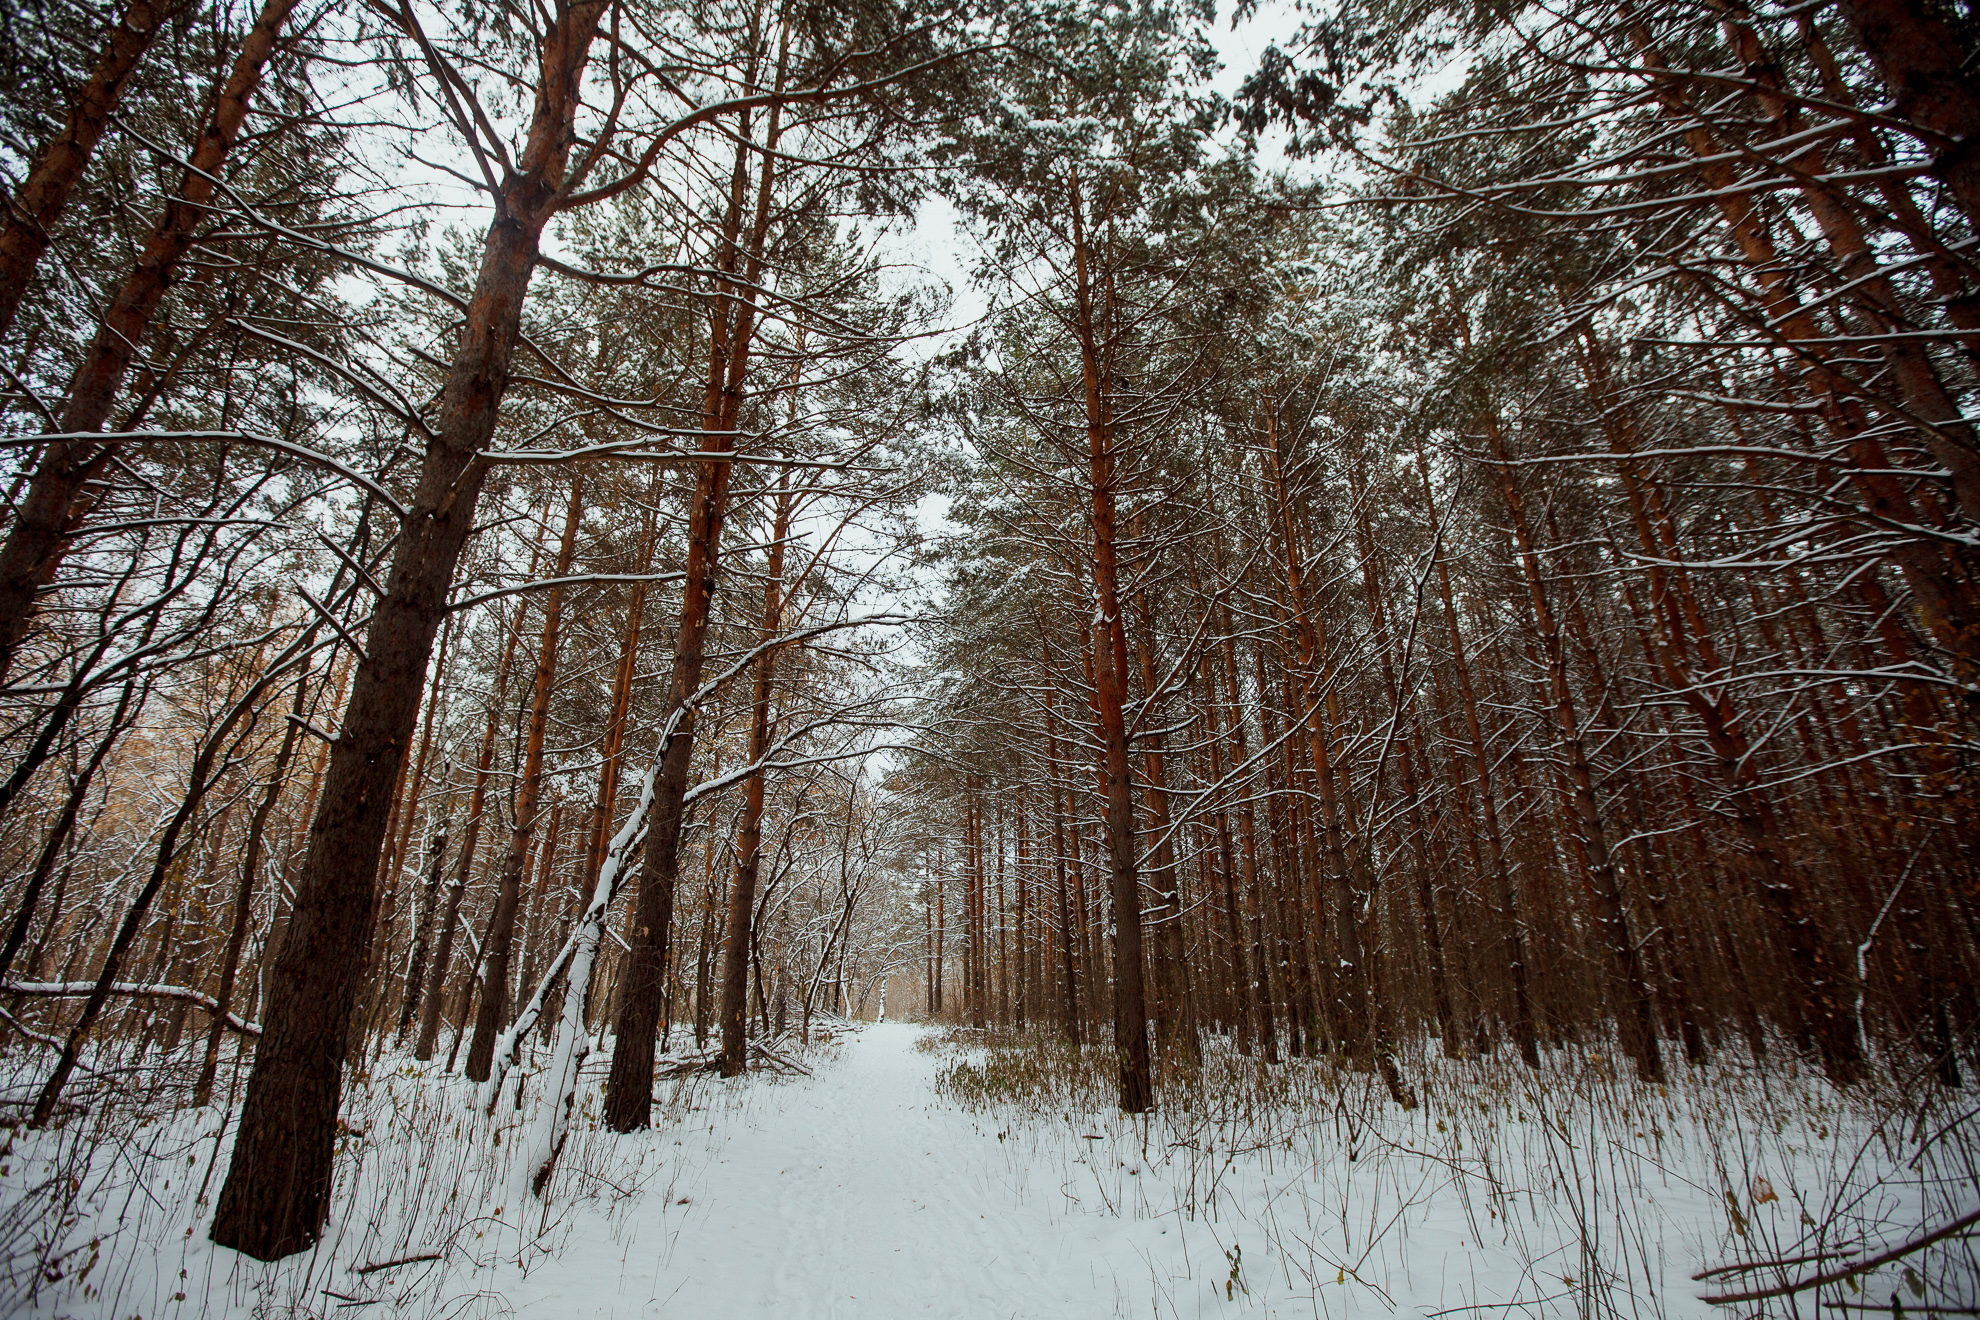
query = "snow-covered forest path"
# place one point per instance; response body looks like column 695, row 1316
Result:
column 873, row 1188
column 856, row 1192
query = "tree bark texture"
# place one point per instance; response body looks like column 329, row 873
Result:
column 276, row 1196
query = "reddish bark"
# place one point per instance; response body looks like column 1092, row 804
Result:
column 276, row 1195
column 629, row 1084
column 1639, row 1029
column 1110, row 662
column 749, row 830
column 493, row 1013
column 58, row 167
column 1498, row 873
column 1925, row 68
column 63, row 490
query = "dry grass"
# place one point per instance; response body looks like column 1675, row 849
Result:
column 1591, row 1193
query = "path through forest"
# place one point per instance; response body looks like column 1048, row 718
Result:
column 858, row 1192
column 867, row 1189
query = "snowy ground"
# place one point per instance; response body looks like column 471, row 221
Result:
column 910, row 1177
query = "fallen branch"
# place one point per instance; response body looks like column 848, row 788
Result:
column 771, row 1056
column 1748, row 1266
column 52, row 1042
column 710, row 1060
column 403, row 1260
column 78, row 989
column 1837, row 1276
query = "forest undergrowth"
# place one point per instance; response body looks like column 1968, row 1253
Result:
column 1572, row 1190
column 1576, row 1190
column 105, row 1213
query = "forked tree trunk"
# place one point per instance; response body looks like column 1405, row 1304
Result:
column 436, row 866
column 1175, row 1025
column 1244, row 1007
column 276, row 1195
column 536, row 919
column 941, row 936
column 612, row 761
column 407, row 809
column 1254, row 881
column 1355, row 1017
column 422, row 928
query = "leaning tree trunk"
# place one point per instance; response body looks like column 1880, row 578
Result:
column 62, row 490
column 276, row 1196
column 38, row 203
column 1927, row 72
column 629, row 1085
column 58, row 832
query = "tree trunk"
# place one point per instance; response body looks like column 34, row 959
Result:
column 1498, row 873
column 60, row 164
column 1394, row 663
column 1355, row 1017
column 1068, row 918
column 612, row 761
column 1925, row 68
column 244, row 901
column 629, row 1084
column 61, row 493
column 1639, row 1029
column 276, row 1196
column 59, row 832
column 502, row 925
column 749, row 831
column 443, row 957
column 1110, row 662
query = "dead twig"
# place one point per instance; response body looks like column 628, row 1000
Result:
column 1837, row 1276
column 403, row 1260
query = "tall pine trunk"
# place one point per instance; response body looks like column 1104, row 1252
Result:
column 629, row 1084
column 491, row 1018
column 1110, row 661
column 276, row 1196
column 749, row 831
